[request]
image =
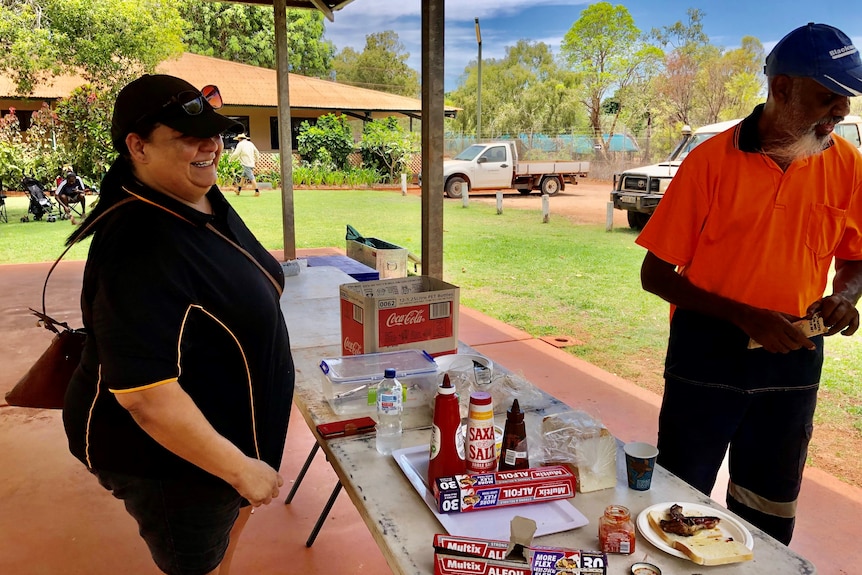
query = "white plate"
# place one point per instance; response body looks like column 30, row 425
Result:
column 550, row 517
column 728, row 525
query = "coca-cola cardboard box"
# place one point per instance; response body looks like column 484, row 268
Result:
column 418, row 312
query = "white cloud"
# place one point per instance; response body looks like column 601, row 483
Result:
column 360, row 18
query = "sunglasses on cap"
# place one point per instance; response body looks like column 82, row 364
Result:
column 191, row 102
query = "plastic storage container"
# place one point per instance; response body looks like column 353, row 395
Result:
column 348, row 379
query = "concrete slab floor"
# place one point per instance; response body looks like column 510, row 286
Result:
column 54, row 518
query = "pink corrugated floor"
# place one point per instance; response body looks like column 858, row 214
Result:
column 54, row 519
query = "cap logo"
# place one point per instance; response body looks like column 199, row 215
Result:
column 841, row 52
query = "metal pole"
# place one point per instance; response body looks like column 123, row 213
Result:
column 479, row 86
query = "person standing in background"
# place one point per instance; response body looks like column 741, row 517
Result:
column 741, row 246
column 247, row 153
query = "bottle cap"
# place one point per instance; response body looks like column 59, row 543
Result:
column 446, row 388
column 515, row 413
column 480, row 398
column 389, row 373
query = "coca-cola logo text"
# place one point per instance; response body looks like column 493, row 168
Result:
column 352, row 347
column 411, row 317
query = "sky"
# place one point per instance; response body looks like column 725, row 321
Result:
column 504, row 22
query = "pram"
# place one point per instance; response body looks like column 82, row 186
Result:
column 40, row 205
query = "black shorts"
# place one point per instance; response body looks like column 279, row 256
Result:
column 186, row 524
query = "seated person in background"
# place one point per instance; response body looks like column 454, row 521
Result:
column 70, row 191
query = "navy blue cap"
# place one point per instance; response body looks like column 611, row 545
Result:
column 820, row 52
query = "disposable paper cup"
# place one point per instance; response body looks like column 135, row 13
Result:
column 640, row 461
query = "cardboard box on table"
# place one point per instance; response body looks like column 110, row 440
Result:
column 388, row 259
column 417, row 312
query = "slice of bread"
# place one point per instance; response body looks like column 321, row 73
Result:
column 706, row 547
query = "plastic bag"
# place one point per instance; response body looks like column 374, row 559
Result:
column 578, row 439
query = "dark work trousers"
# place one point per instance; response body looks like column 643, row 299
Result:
column 720, row 394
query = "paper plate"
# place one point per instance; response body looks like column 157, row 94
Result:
column 728, row 525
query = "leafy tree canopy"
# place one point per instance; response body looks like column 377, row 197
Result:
column 524, row 92
column 606, row 48
column 243, row 33
column 108, row 42
column 382, row 65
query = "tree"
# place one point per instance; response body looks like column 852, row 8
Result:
column 689, row 48
column 605, row 47
column 382, row 65
column 702, row 83
column 108, row 42
column 524, row 92
column 84, row 119
column 246, row 34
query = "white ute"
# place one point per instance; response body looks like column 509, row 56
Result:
column 639, row 190
column 495, row 165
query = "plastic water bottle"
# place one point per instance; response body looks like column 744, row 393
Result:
column 389, row 408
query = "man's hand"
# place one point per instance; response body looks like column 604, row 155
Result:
column 838, row 313
column 773, row 330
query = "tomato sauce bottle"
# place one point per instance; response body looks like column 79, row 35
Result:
column 446, row 459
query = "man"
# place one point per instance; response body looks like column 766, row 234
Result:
column 70, row 191
column 741, row 246
column 246, row 152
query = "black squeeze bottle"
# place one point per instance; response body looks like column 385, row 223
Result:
column 513, row 452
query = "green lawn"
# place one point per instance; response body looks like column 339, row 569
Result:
column 547, row 279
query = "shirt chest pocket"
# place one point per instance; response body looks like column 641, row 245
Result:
column 825, row 228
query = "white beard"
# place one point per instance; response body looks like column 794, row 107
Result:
column 800, row 141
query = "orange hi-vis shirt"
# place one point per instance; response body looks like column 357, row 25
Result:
column 736, row 225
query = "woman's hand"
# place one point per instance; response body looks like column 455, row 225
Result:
column 258, row 482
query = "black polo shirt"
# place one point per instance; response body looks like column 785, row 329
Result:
column 165, row 298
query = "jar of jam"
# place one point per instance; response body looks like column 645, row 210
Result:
column 616, row 531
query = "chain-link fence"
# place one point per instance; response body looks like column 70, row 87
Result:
column 625, row 151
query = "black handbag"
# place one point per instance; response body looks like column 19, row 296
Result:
column 44, row 385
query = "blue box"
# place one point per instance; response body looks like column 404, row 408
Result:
column 356, row 270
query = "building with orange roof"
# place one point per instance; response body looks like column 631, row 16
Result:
column 250, row 95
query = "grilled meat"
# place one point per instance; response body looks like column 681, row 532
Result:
column 679, row 524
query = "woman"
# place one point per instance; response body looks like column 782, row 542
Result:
column 181, row 401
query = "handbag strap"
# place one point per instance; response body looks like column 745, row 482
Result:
column 51, row 324
column 251, row 258
column 47, row 321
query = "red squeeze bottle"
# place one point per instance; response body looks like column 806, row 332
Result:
column 446, row 459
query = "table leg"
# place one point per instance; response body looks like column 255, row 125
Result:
column 323, row 515
column 302, row 473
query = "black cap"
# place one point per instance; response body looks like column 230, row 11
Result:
column 146, row 98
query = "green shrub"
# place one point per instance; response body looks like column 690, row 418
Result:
column 271, row 176
column 228, row 171
column 386, row 147
column 328, row 141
